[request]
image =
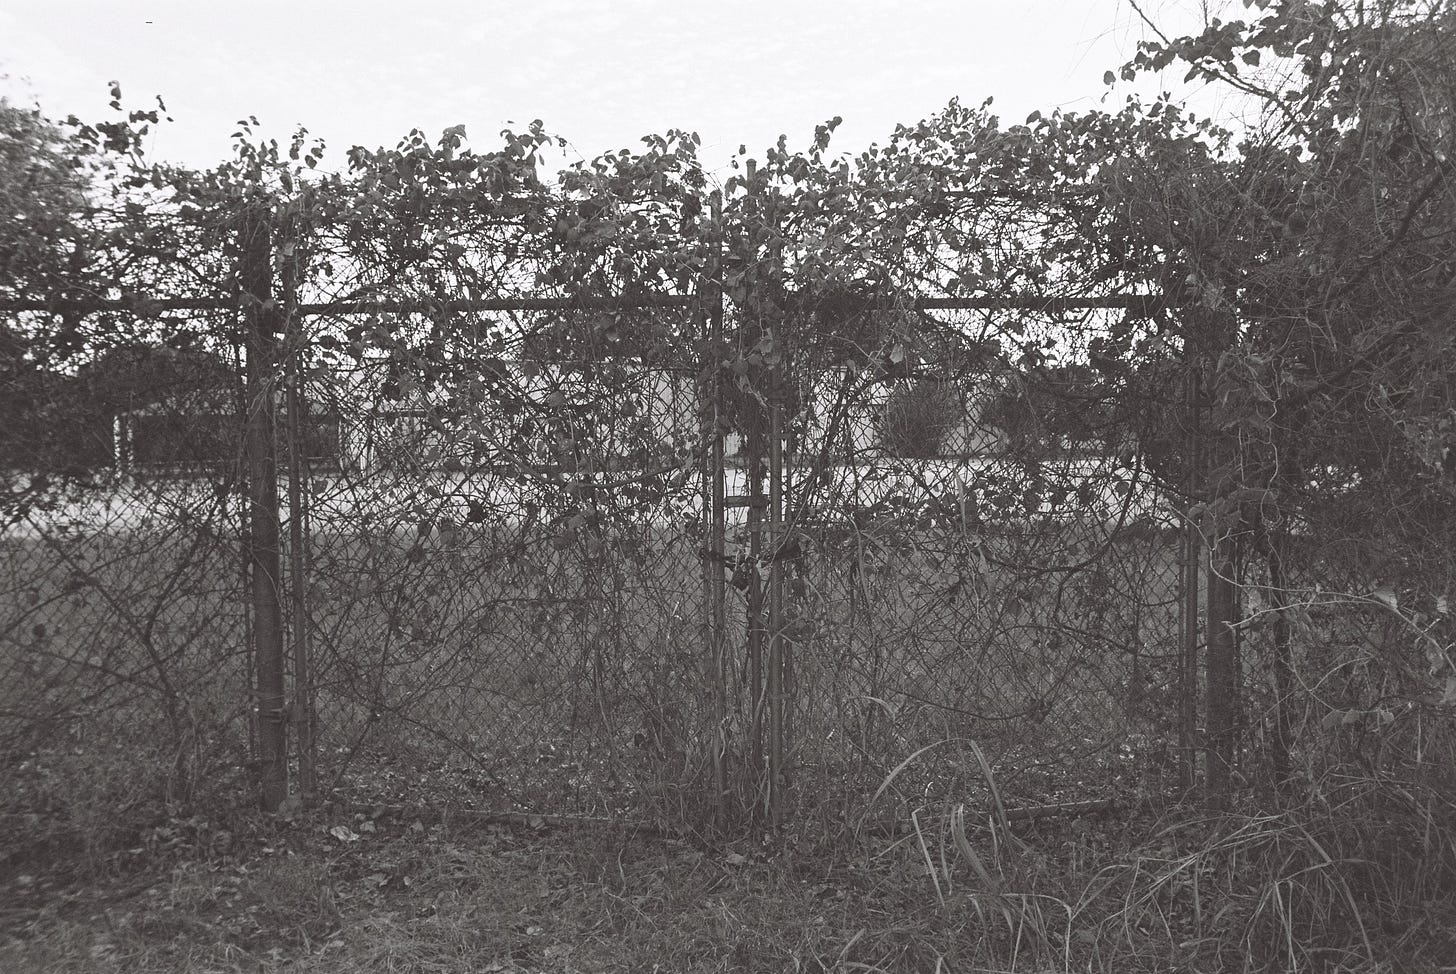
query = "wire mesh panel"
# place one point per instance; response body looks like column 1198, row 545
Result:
column 505, row 591
column 499, row 566
column 973, row 562
column 124, row 656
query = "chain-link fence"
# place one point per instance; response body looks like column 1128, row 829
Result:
column 533, row 633
column 124, row 658
column 382, row 524
column 506, row 602
column 966, row 582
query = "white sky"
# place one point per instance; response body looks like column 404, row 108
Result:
column 601, row 74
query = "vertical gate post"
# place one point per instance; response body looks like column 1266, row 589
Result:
column 757, row 500
column 1222, row 672
column 1283, row 731
column 1192, row 548
column 296, row 413
column 777, row 541
column 261, row 320
column 1221, row 664
column 777, row 648
column 710, row 319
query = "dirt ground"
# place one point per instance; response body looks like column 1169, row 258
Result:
column 383, row 891
column 356, row 894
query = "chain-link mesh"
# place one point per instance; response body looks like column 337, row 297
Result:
column 967, row 577
column 496, row 587
column 457, row 528
column 504, row 599
column 508, row 606
column 124, row 633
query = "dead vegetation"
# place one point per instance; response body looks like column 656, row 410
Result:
column 1356, row 876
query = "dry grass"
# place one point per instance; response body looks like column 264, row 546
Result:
column 961, row 888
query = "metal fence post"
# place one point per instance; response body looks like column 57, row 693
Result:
column 1192, row 547
column 776, row 647
column 261, row 319
column 1222, row 671
column 302, row 715
column 754, row 596
column 710, row 318
column 756, row 499
column 1221, row 663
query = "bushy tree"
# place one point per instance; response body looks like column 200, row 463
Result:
column 1319, row 250
column 42, row 199
column 42, row 196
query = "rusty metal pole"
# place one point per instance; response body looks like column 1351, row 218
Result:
column 776, row 542
column 302, row 715
column 1221, row 660
column 757, row 502
column 776, row 650
column 1192, row 553
column 1222, row 674
column 261, row 321
column 710, row 318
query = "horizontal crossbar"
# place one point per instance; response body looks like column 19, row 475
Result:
column 1046, row 304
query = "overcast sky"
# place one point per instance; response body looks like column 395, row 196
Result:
column 601, row 74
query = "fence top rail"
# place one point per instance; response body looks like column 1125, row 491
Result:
column 1048, row 304
column 146, row 306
